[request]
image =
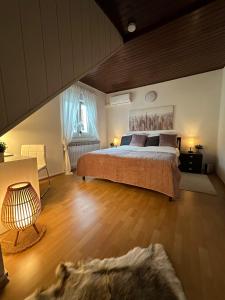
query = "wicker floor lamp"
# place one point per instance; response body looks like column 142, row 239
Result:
column 20, row 210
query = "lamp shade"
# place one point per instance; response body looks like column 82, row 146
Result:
column 21, row 206
column 116, row 141
column 191, row 142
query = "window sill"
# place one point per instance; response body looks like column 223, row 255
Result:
column 79, row 142
column 83, row 138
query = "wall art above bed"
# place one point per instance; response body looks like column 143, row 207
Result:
column 156, row 118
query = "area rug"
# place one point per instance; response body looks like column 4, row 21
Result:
column 141, row 274
column 197, row 183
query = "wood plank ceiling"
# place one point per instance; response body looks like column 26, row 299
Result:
column 191, row 44
column 147, row 14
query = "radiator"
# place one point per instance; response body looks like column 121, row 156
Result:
column 76, row 149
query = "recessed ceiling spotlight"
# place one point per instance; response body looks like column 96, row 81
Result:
column 131, row 27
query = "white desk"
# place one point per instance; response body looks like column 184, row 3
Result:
column 17, row 169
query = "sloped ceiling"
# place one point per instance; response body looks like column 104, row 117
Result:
column 46, row 45
column 191, row 44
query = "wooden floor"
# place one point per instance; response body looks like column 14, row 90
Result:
column 102, row 219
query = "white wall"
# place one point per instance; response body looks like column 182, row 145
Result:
column 221, row 134
column 196, row 99
column 43, row 127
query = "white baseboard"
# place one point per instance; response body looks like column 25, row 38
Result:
column 43, row 177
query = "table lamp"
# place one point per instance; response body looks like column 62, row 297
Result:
column 191, row 144
column 20, row 210
column 116, row 141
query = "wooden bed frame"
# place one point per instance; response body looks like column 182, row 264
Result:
column 179, row 142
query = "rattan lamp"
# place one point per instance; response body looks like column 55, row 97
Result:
column 20, row 209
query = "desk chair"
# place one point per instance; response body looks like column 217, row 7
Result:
column 38, row 151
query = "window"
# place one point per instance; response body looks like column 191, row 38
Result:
column 83, row 118
column 85, row 114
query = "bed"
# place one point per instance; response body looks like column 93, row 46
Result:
column 153, row 167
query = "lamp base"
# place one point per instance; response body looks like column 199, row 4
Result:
column 190, row 150
column 27, row 238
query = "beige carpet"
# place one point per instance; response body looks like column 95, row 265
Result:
column 197, row 183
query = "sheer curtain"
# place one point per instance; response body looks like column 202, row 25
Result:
column 69, row 106
column 89, row 99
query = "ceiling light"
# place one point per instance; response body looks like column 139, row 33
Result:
column 131, row 27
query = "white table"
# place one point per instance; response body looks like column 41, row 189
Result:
column 17, row 169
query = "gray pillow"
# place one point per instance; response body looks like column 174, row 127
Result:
column 138, row 140
column 168, row 140
column 152, row 141
column 125, row 140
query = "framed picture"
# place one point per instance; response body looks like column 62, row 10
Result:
column 157, row 118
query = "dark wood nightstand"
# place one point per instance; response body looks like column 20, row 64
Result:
column 191, row 162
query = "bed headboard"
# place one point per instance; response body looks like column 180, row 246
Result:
column 179, row 142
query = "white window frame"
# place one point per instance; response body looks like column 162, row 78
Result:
column 79, row 118
column 81, row 134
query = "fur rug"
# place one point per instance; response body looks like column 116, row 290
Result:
column 141, row 274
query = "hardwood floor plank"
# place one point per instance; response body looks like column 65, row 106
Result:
column 98, row 218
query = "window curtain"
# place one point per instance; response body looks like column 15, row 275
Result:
column 69, row 106
column 90, row 102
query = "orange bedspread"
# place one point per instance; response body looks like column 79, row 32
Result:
column 157, row 171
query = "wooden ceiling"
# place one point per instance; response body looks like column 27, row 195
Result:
column 147, row 14
column 191, row 44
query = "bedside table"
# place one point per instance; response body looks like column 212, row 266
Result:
column 191, row 162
